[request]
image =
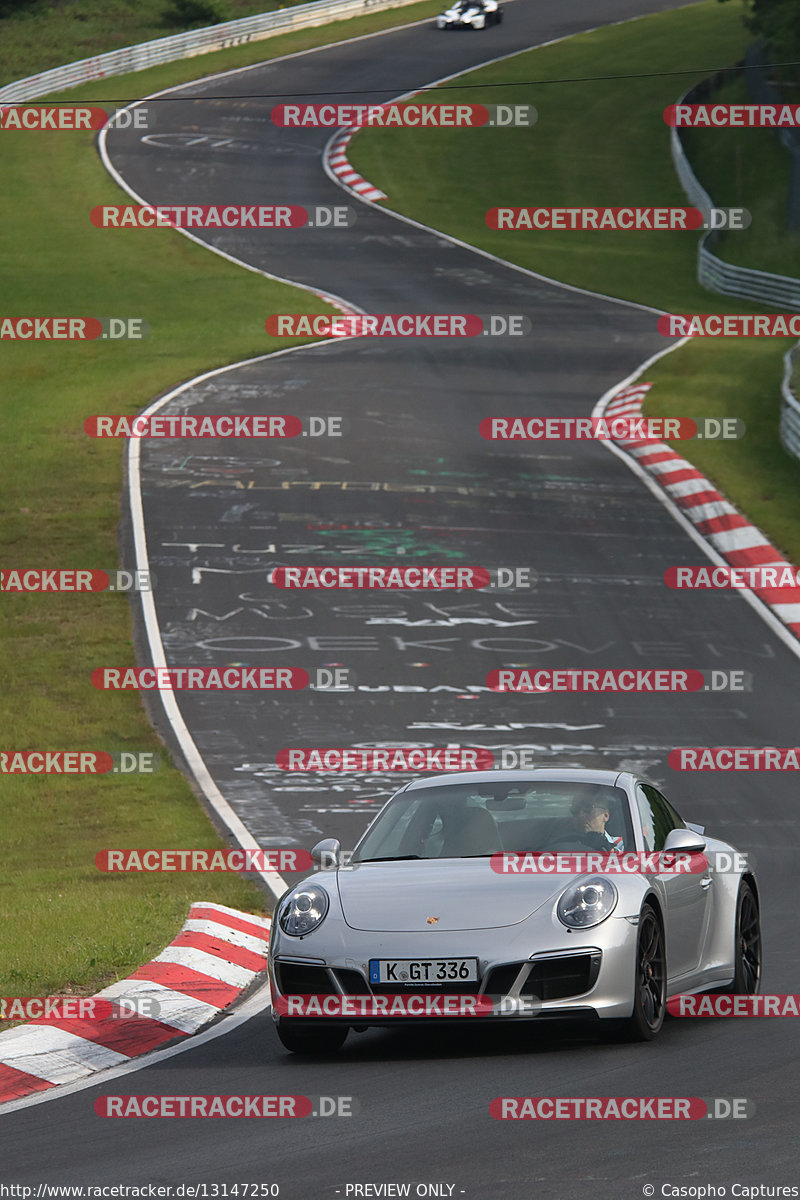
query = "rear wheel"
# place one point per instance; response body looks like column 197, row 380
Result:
column 307, row 1037
column 747, row 951
column 650, row 984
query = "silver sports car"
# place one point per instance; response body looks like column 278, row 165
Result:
column 513, row 895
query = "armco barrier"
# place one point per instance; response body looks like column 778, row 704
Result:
column 779, row 291
column 790, row 406
column 189, row 45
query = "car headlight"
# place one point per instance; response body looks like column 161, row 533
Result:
column 303, row 910
column 587, row 903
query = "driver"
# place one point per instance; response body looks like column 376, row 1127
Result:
column 589, row 813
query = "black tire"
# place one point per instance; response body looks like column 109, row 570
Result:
column 498, row 17
column 309, row 1037
column 747, row 951
column 650, row 984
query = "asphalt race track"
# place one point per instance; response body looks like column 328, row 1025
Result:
column 411, row 480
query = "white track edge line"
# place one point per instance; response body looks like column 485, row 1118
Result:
column 762, row 609
column 274, row 881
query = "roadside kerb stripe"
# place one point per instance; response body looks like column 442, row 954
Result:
column 207, row 964
column 256, row 945
column 172, row 1004
column 126, row 1036
column 14, row 1084
column 55, row 1055
column 336, row 157
column 217, row 954
column 257, row 926
column 222, row 949
column 188, row 981
column 731, row 534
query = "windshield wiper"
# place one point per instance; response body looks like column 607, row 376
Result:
column 390, row 858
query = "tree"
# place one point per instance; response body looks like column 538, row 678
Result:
column 186, row 14
column 777, row 24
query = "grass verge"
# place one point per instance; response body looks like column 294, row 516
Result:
column 604, row 142
column 747, row 168
column 62, row 921
column 64, row 926
column 736, row 380
column 43, row 35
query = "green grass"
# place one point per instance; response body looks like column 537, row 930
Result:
column 64, row 926
column 747, row 168
column 604, row 142
column 740, row 378
column 45, row 35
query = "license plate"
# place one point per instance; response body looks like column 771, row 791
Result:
column 423, row 970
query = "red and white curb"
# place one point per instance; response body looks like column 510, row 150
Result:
column 730, row 533
column 215, row 957
column 336, row 158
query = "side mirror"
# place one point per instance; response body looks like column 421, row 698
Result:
column 326, row 853
column 684, row 841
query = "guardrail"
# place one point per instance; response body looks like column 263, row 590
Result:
column 790, row 405
column 189, row 45
column 779, row 291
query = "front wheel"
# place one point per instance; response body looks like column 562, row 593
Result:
column 747, row 950
column 308, row 1037
column 650, row 984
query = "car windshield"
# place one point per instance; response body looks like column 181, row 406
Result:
column 471, row 820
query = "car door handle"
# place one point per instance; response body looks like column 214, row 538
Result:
column 706, row 882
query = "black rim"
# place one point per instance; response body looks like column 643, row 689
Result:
column 749, row 942
column 651, row 971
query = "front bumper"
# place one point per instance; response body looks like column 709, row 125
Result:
column 589, row 974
